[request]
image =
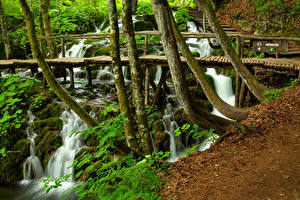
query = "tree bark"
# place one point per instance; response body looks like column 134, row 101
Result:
column 59, row 91
column 224, row 108
column 134, row 6
column 136, row 76
column 42, row 31
column 118, row 76
column 5, row 32
column 194, row 114
column 44, row 6
column 253, row 84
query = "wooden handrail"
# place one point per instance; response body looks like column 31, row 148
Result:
column 185, row 34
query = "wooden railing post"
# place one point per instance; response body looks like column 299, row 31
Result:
column 146, row 45
column 63, row 48
column 147, row 80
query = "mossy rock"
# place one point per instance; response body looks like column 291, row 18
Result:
column 48, row 145
column 53, row 123
column 158, row 125
column 11, row 167
column 51, row 110
column 103, row 51
column 23, row 145
column 40, row 102
column 180, row 116
column 162, row 141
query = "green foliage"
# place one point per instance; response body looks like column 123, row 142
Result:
column 272, row 94
column 13, row 101
column 113, row 176
column 3, row 152
column 182, row 17
column 144, row 8
column 195, row 133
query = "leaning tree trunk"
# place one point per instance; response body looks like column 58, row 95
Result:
column 136, row 76
column 253, row 84
column 5, row 32
column 194, row 114
column 118, row 75
column 232, row 112
column 59, row 91
column 42, row 31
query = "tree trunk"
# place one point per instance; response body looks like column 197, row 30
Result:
column 253, row 84
column 118, row 75
column 134, row 6
column 136, row 76
column 194, row 114
column 224, row 108
column 5, row 32
column 59, row 91
column 42, row 31
column 44, row 6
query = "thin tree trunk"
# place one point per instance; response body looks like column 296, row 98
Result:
column 5, row 32
column 134, row 6
column 59, row 91
column 253, row 84
column 224, row 108
column 194, row 114
column 44, row 6
column 42, row 31
column 136, row 76
column 118, row 75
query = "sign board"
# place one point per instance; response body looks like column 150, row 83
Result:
column 270, row 46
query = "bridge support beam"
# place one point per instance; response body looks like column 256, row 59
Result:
column 71, row 77
column 89, row 75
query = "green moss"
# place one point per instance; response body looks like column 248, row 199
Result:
column 23, row 145
column 51, row 110
column 52, row 123
column 104, row 51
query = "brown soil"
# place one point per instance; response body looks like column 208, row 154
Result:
column 265, row 166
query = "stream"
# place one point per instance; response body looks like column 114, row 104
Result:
column 31, row 189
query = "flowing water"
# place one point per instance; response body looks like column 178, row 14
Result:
column 59, row 164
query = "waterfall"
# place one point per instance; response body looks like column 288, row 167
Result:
column 59, row 164
column 32, row 167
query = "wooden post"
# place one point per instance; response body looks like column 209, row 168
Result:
column 71, row 77
column 277, row 55
column 63, row 54
column 146, row 45
column 204, row 22
column 238, row 79
column 63, row 49
column 13, row 70
column 242, row 95
column 147, row 79
column 32, row 71
column 89, row 75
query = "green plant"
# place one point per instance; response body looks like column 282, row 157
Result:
column 3, row 152
column 182, row 17
column 113, row 175
column 144, row 8
column 271, row 94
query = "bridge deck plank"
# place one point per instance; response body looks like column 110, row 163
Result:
column 217, row 61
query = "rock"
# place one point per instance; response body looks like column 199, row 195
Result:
column 158, row 125
column 162, row 141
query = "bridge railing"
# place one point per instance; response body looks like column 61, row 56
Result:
column 240, row 38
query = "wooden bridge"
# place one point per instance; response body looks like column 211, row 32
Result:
column 279, row 65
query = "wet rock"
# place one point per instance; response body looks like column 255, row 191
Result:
column 162, row 141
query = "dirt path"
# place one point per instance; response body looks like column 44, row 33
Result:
column 265, row 167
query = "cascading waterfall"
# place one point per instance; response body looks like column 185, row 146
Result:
column 59, row 164
column 32, row 167
column 223, row 86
